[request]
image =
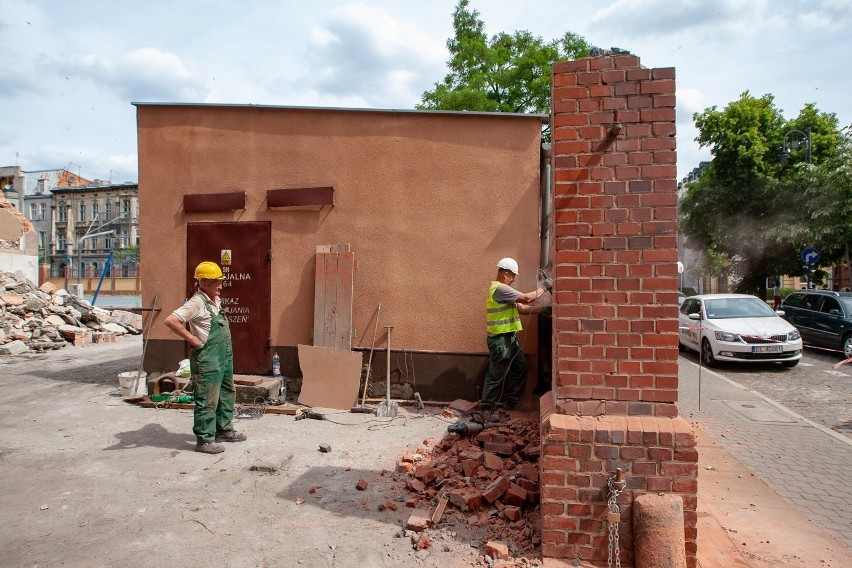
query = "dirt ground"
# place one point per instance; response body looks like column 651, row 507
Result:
column 89, row 480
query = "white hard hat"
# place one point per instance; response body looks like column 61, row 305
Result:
column 509, row 264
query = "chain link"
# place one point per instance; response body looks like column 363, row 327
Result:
column 613, row 517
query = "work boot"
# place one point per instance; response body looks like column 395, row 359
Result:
column 230, row 436
column 209, row 448
column 481, row 416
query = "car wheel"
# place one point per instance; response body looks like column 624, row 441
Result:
column 847, row 346
column 790, row 363
column 707, row 354
column 681, row 347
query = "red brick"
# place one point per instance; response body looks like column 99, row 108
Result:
column 496, row 489
column 497, row 549
column 465, row 499
column 361, row 485
column 512, row 513
column 419, row 520
column 515, row 495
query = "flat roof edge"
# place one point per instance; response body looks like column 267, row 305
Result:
column 543, row 117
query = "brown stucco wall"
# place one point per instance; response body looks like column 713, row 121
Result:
column 429, row 202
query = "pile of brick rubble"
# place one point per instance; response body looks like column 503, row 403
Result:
column 41, row 318
column 488, row 482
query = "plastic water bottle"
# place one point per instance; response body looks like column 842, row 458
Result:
column 276, row 365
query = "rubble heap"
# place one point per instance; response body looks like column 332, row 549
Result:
column 489, row 481
column 41, row 318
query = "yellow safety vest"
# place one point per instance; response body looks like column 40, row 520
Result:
column 501, row 318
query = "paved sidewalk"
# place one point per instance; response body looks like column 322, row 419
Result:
column 801, row 461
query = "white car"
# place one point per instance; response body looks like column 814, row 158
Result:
column 737, row 327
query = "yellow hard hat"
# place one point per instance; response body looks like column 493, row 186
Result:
column 208, row 271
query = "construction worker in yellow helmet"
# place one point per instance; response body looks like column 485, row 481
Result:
column 211, row 360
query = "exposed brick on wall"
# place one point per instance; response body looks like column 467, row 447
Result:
column 615, row 245
column 579, row 454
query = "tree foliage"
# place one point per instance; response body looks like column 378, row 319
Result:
column 748, row 203
column 506, row 73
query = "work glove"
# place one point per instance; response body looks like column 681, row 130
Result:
column 547, row 284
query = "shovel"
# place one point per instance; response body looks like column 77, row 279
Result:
column 386, row 408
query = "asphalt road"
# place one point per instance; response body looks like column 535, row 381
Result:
column 812, row 388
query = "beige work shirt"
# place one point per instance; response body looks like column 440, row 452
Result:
column 196, row 315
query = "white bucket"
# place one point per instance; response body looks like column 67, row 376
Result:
column 127, row 380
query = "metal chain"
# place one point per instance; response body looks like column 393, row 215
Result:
column 616, row 486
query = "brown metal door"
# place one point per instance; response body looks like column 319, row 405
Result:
column 243, row 252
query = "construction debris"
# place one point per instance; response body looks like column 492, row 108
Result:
column 489, row 481
column 43, row 318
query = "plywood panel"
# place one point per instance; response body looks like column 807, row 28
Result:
column 330, row 377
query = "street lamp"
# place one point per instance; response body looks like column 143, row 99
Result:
column 797, row 139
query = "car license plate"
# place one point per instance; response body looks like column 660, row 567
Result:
column 767, row 349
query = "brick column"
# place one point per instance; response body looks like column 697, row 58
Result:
column 614, row 250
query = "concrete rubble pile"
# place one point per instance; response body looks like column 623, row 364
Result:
column 35, row 319
column 489, row 482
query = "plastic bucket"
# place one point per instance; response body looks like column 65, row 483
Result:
column 127, row 380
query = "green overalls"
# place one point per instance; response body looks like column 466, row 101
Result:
column 212, row 368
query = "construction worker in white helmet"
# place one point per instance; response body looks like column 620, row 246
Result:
column 211, row 360
column 507, row 366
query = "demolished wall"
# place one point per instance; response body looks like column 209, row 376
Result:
column 615, row 384
column 35, row 319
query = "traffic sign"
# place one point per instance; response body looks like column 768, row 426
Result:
column 810, row 255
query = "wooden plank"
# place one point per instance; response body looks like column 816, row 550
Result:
column 291, row 410
column 439, row 510
column 247, row 380
column 330, row 377
column 333, row 294
column 343, row 313
column 319, row 301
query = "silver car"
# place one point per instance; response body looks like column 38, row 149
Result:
column 737, row 327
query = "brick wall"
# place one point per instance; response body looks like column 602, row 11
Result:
column 614, row 251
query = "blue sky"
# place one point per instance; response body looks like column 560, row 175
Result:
column 71, row 69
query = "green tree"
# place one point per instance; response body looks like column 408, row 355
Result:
column 748, row 203
column 507, row 73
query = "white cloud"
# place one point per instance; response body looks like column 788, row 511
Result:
column 143, row 74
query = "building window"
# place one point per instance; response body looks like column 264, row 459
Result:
column 63, row 212
column 108, row 242
column 42, row 210
column 60, row 243
column 95, row 210
column 126, row 207
column 42, row 239
column 81, row 212
column 108, row 210
column 33, row 212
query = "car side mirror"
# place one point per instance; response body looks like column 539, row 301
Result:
column 781, row 313
column 834, row 312
column 695, row 316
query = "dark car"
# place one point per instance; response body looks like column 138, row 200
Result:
column 823, row 317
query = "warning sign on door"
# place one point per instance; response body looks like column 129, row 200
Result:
column 226, row 257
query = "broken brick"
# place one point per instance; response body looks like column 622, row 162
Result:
column 528, row 471
column 405, row 467
column 497, row 549
column 426, row 474
column 419, row 520
column 493, row 462
column 391, row 505
column 465, row 499
column 463, row 405
column 469, row 467
column 527, row 484
column 512, row 513
column 411, row 502
column 416, row 485
column 515, row 495
column 362, row 485
column 496, row 489
column 500, row 448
